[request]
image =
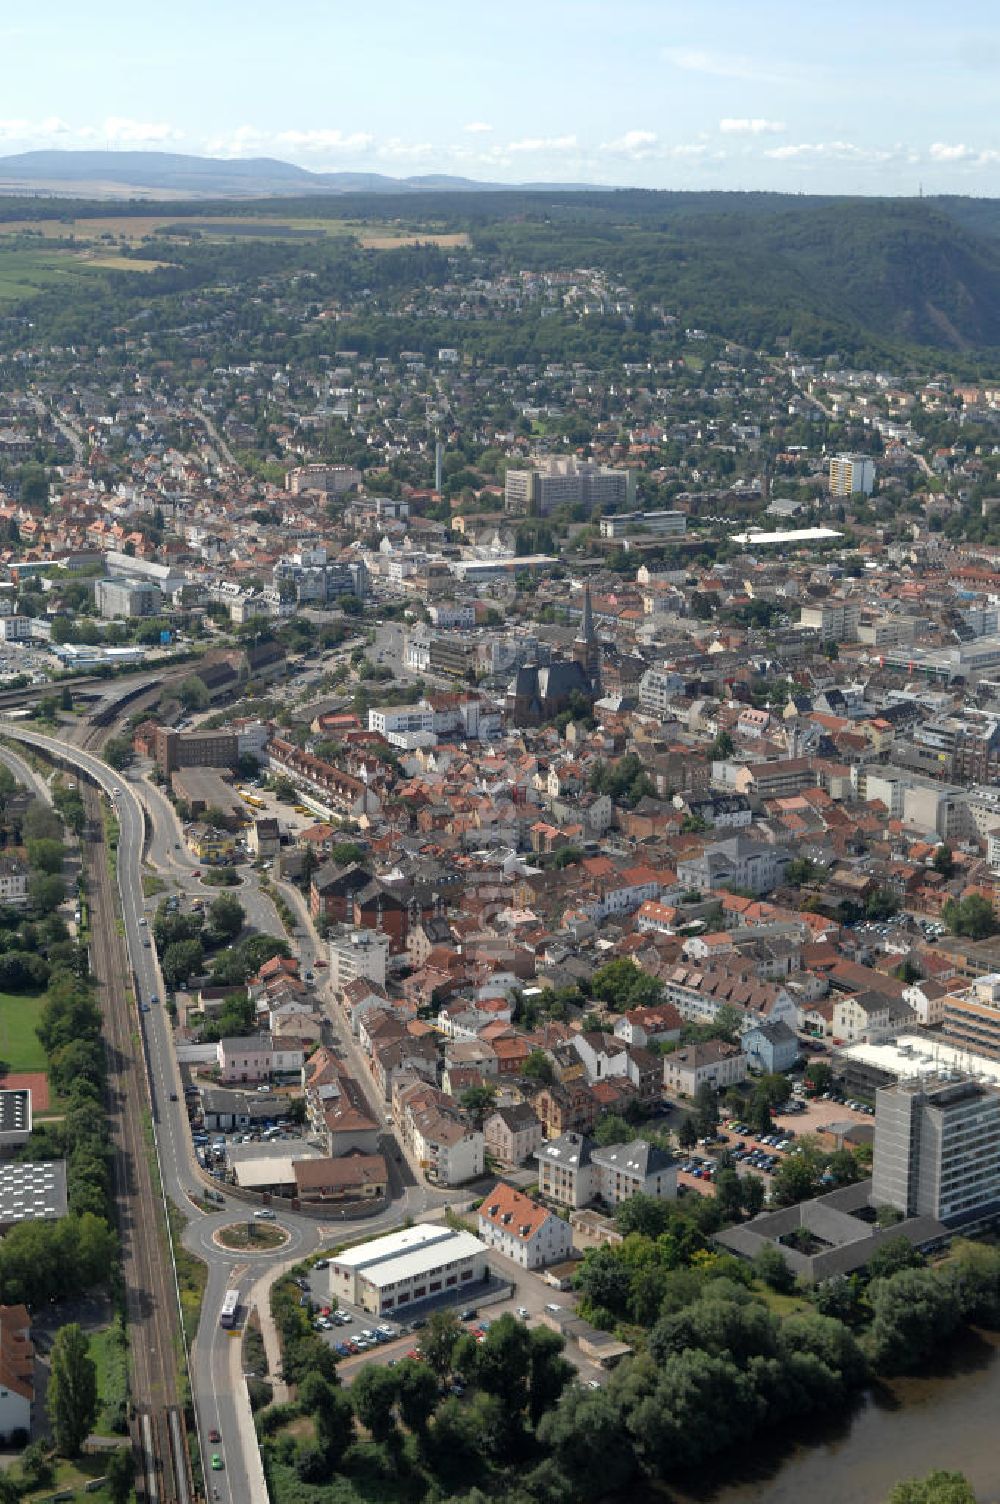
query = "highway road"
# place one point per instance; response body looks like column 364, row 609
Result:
column 215, row 1362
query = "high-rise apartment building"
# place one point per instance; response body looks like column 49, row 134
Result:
column 566, row 481
column 937, row 1148
column 852, row 474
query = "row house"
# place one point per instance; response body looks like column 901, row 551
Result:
column 437, row 1133
column 512, row 1134
column 605, row 1055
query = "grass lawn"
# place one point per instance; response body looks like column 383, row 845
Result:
column 256, row 1235
column 20, row 1047
column 72, row 1475
column 192, row 1275
column 151, row 885
column 109, row 1352
column 781, row 1305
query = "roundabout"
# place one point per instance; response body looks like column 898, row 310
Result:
column 252, row 1236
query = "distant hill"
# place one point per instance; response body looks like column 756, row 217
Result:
column 117, row 174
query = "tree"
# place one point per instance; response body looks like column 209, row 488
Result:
column 478, row 1102
column 913, row 1312
column 944, row 861
column 226, row 916
column 418, row 1395
column 46, row 891
column 589, row 1445
column 612, row 1129
column 687, row 1133
column 728, row 1195
column 548, row 1371
column 623, row 985
column 972, row 916
column 538, row 1067
column 753, row 1194
column 373, row 1395
column 770, row 1266
column 438, row 1340
column 72, row 1393
column 722, row 748
column 759, row 1115
column 181, row 960
column 119, row 1473
column 706, row 1107
column 193, row 693
column 938, row 1487
column 46, row 855
column 818, row 1077
column 117, row 751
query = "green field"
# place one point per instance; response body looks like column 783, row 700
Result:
column 20, row 1047
column 26, row 273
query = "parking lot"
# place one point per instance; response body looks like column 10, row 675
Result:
column 388, row 1341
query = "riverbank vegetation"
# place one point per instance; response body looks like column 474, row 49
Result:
column 724, row 1353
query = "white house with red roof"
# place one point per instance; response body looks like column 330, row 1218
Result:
column 522, row 1230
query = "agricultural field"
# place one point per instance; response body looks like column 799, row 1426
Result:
column 24, row 273
column 136, row 229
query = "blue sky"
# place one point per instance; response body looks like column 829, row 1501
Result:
column 863, row 96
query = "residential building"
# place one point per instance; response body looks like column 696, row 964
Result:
column 245, row 1059
column 937, row 1149
column 633, row 1169
column 414, row 1264
column 357, row 953
column 13, row 880
column 565, row 1173
column 129, row 598
column 739, row 862
column 972, row 1014
column 713, row 1062
column 523, row 1231
column 851, row 474
column 512, row 1135
column 17, row 1374
column 264, row 838
column 353, row 1177
column 770, row 1047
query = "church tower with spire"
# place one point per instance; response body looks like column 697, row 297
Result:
column 586, row 648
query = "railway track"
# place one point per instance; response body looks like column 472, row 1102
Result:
column 158, row 1430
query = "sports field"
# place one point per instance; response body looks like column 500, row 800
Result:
column 20, row 1047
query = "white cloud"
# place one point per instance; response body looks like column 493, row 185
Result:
column 941, row 152
column 395, row 150
column 721, row 64
column 122, row 131
column 752, row 127
column 634, row 144
column 544, row 143
column 477, row 128
column 244, row 141
column 840, row 151
column 325, row 141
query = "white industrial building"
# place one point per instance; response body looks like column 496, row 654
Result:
column 413, row 1264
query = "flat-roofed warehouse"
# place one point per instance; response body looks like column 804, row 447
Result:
column 204, row 788
column 15, row 1116
column 34, row 1192
column 410, row 1265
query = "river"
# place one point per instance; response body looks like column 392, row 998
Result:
column 903, row 1430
